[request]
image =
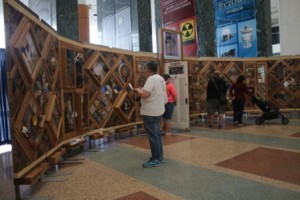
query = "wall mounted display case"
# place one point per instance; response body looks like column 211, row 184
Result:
column 69, row 111
column 283, row 77
column 69, row 68
column 261, row 80
column 82, row 109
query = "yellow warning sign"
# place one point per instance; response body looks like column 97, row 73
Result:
column 188, row 30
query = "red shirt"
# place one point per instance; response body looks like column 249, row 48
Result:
column 171, row 92
column 238, row 90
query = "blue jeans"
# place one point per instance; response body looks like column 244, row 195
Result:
column 238, row 109
column 152, row 127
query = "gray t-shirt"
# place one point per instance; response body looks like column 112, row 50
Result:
column 154, row 105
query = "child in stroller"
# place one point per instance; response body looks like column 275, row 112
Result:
column 268, row 112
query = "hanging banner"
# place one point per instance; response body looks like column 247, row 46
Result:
column 236, row 28
column 179, row 15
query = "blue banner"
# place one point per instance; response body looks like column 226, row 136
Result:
column 236, row 28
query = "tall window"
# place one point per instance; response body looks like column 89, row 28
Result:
column 116, row 24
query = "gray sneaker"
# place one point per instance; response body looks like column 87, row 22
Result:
column 160, row 160
column 153, row 163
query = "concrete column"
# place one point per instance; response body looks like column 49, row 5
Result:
column 67, row 18
column 205, row 15
column 141, row 25
column 264, row 28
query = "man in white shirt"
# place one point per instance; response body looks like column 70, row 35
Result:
column 153, row 99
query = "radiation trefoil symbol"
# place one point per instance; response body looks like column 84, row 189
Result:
column 188, row 32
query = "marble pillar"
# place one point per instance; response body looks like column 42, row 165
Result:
column 157, row 22
column 205, row 15
column 141, row 25
column 67, row 18
column 264, row 28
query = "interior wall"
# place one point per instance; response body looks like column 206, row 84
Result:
column 289, row 23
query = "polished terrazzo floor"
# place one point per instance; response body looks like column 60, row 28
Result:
column 234, row 163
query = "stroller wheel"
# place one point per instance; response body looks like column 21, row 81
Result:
column 259, row 121
column 285, row 121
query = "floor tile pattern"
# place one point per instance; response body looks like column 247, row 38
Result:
column 249, row 162
column 138, row 196
column 142, row 140
column 296, row 134
column 271, row 163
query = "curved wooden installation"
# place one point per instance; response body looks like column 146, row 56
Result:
column 60, row 89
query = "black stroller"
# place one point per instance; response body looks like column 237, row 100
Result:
column 268, row 112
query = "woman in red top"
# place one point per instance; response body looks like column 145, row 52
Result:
column 237, row 92
column 169, row 107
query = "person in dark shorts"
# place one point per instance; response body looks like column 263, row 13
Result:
column 215, row 86
column 169, row 106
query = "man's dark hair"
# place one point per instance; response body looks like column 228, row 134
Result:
column 240, row 78
column 152, row 66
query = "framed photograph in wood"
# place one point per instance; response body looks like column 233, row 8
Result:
column 55, row 123
column 111, row 88
column 124, row 72
column 113, row 120
column 125, row 106
column 99, row 109
column 99, row 69
column 71, row 70
column 68, row 67
column 52, row 57
column 111, row 58
column 79, row 62
column 29, row 125
column 70, row 113
column 233, row 72
column 82, row 108
column 17, row 91
column 40, row 35
column 171, row 43
column 42, row 87
column 28, row 53
column 141, row 66
column 87, row 54
column 90, row 85
column 262, row 89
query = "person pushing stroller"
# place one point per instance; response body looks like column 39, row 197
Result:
column 237, row 93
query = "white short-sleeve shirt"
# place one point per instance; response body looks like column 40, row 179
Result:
column 154, row 105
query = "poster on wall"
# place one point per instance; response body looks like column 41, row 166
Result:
column 236, row 28
column 180, row 16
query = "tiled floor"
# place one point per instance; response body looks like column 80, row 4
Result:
column 248, row 162
column 266, row 162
